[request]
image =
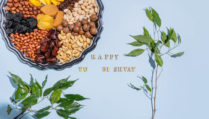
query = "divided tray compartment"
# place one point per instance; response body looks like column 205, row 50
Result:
column 28, row 61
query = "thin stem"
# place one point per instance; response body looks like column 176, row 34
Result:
column 152, row 92
column 19, row 115
column 169, row 50
column 23, row 115
column 146, row 94
column 155, row 94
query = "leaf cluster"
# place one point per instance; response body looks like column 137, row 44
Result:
column 168, row 40
column 27, row 95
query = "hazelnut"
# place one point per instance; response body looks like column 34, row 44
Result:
column 93, row 31
column 78, row 24
column 94, row 17
column 59, row 28
column 76, row 29
column 75, row 34
column 71, row 27
column 64, row 23
column 81, row 32
column 92, row 24
column 66, row 30
column 88, row 35
column 84, row 21
column 86, row 27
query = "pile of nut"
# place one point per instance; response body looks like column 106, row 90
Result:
column 24, row 7
column 29, row 43
column 83, row 9
column 55, row 31
column 72, row 46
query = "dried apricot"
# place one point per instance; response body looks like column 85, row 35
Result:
column 35, row 2
column 50, row 10
column 59, row 18
column 45, row 21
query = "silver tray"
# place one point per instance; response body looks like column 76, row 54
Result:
column 28, row 61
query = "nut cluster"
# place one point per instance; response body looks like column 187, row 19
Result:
column 72, row 46
column 82, row 10
column 24, row 7
column 48, row 48
column 83, row 27
column 28, row 43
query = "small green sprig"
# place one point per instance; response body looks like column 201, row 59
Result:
column 157, row 46
column 28, row 95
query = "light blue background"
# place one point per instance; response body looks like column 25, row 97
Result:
column 183, row 87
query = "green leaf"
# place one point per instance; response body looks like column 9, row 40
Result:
column 146, row 32
column 149, row 15
column 44, row 82
column 55, row 96
column 135, row 43
column 177, row 54
column 148, row 88
column 167, row 44
column 40, row 115
column 37, row 89
column 65, row 103
column 29, row 101
column 31, row 80
column 74, row 107
column 64, row 84
column 164, row 37
column 172, row 35
column 144, row 79
column 142, row 39
column 21, row 93
column 9, row 109
column 44, row 109
column 48, row 91
column 73, row 118
column 134, row 87
column 179, row 39
column 17, row 80
column 159, row 60
column 76, row 97
column 152, row 46
column 135, row 52
column 63, row 113
column 156, row 17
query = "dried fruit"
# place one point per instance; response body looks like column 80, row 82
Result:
column 16, row 23
column 45, row 21
column 35, row 2
column 50, row 10
column 59, row 18
column 49, row 48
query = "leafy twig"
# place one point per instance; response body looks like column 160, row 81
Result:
column 28, row 95
column 154, row 47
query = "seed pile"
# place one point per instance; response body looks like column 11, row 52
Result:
column 82, row 10
column 29, row 43
column 52, row 31
column 72, row 46
column 24, row 7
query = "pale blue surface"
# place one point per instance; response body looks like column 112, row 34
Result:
column 183, row 87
